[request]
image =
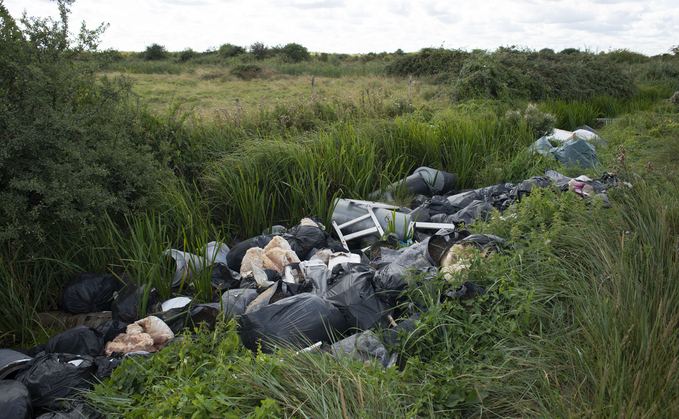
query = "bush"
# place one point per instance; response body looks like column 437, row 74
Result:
column 259, row 51
column 70, row 150
column 247, row 71
column 428, row 61
column 155, row 52
column 229, row 50
column 187, row 55
column 295, row 53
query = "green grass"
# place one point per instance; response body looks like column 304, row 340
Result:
column 583, row 310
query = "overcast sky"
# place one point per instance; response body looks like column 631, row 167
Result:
column 362, row 26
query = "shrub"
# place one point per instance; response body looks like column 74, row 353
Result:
column 540, row 123
column 626, row 56
column 70, row 152
column 259, row 51
column 155, row 52
column 247, row 71
column 428, row 61
column 229, row 50
column 295, row 52
column 187, row 55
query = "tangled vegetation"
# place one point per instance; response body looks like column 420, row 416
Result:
column 581, row 314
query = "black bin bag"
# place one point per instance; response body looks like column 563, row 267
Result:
column 89, row 293
column 127, row 306
column 52, row 377
column 304, row 238
column 294, row 322
column 352, row 291
column 81, row 340
column 15, row 400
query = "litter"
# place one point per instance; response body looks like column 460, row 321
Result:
column 149, row 334
column 52, row 377
column 11, row 361
column 15, row 400
column 577, row 148
column 81, row 340
column 89, row 292
column 292, row 288
column 294, row 322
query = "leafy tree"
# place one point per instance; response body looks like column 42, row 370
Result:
column 71, row 148
column 295, row 52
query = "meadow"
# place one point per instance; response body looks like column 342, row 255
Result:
column 141, row 155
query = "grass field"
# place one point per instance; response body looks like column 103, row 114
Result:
column 581, row 316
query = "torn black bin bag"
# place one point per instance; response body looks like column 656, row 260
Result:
column 106, row 366
column 466, row 215
column 223, row 278
column 304, row 238
column 15, row 400
column 466, row 291
column 524, row 188
column 393, row 337
column 51, row 377
column 81, row 340
column 392, row 279
column 235, row 256
column 297, row 322
column 111, row 329
column 73, row 409
column 235, row 301
column 126, row 307
column 351, row 290
column 89, row 292
column 12, row 361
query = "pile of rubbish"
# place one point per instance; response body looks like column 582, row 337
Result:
column 309, row 288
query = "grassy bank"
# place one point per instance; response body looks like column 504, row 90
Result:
column 148, row 155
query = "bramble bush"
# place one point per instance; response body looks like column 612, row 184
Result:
column 70, row 153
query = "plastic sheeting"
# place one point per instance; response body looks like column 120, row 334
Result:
column 576, row 153
column 235, row 301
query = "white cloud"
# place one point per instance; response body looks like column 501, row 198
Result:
column 361, row 26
